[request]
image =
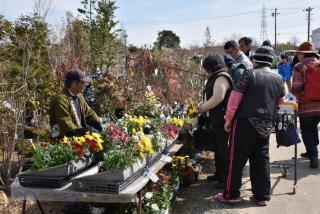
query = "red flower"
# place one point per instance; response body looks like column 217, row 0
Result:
column 93, row 147
column 154, row 187
column 80, row 152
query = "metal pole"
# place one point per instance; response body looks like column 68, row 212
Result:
column 275, row 27
column 309, row 18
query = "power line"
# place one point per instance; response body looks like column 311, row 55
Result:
column 206, row 19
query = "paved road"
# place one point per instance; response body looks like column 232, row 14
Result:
column 199, row 198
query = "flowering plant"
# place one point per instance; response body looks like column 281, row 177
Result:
column 157, row 196
column 179, row 163
column 47, row 155
column 123, row 150
column 89, row 143
column 114, row 134
column 120, row 149
column 133, row 124
column 147, row 104
column 143, row 143
column 171, row 131
column 119, row 157
column 177, row 122
column 192, row 108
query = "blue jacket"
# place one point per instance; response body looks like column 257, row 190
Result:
column 285, row 70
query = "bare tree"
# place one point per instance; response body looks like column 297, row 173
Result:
column 234, row 36
column 15, row 90
column 208, row 41
column 295, row 41
column 42, row 7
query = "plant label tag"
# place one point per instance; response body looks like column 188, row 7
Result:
column 166, row 158
column 153, row 177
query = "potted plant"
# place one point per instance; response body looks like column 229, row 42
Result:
column 66, row 157
column 157, row 197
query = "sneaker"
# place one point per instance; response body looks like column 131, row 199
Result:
column 219, row 197
column 262, row 202
column 314, row 163
column 304, row 155
column 213, row 178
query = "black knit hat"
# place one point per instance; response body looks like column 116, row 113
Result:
column 213, row 62
column 264, row 54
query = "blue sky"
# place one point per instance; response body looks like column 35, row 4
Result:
column 143, row 19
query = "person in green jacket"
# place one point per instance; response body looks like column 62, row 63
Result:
column 70, row 115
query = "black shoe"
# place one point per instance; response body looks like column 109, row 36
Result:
column 213, row 178
column 314, row 163
column 304, row 155
column 219, row 185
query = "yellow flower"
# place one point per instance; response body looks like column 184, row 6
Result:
column 79, row 140
column 177, row 122
column 89, row 137
column 66, row 140
column 180, row 158
column 98, row 139
column 99, row 145
column 96, row 135
column 82, row 140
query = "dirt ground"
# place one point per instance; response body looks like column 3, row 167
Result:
column 198, row 198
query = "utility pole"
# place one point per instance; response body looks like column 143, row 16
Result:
column 274, row 14
column 309, row 18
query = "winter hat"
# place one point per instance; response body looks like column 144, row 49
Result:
column 213, row 62
column 264, row 54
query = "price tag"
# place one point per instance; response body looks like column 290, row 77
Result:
column 166, row 158
column 153, row 177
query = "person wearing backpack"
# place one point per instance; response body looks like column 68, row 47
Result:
column 306, row 87
column 250, row 116
column 234, row 69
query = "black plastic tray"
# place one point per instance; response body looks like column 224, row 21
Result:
column 83, row 185
column 29, row 180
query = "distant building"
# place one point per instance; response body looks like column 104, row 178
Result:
column 316, row 38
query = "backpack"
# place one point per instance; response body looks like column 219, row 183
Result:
column 236, row 72
column 312, row 82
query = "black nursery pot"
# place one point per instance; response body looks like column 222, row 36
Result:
column 146, row 130
column 98, row 157
column 27, row 165
column 181, row 136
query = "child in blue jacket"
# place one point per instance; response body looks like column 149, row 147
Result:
column 285, row 70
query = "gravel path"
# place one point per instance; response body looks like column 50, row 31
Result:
column 198, row 198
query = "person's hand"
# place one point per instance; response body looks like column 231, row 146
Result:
column 200, row 108
column 227, row 126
